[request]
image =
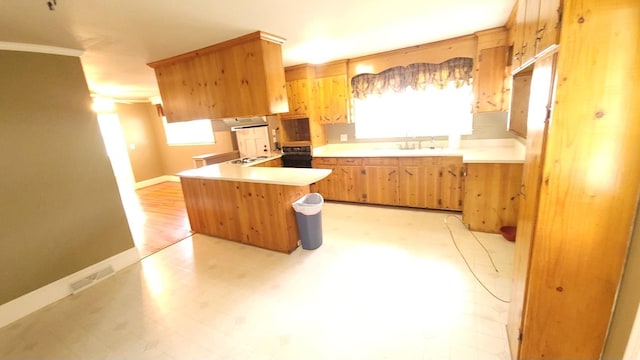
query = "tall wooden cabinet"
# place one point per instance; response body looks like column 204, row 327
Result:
column 581, row 198
column 539, row 99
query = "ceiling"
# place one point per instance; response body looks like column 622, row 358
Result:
column 119, row 37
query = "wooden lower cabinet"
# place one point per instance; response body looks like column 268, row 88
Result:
column 412, row 189
column 434, row 182
column 379, row 181
column 342, row 184
column 491, row 196
column 451, row 181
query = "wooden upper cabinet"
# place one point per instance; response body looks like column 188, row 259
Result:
column 330, row 95
column 518, row 32
column 549, row 22
column 298, row 86
column 536, row 28
column 490, row 71
column 239, row 77
column 298, row 95
column 528, row 47
column 490, row 79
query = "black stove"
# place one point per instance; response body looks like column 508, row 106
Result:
column 296, row 156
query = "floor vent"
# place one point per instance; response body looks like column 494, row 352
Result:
column 91, row 279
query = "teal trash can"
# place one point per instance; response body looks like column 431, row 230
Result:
column 309, row 218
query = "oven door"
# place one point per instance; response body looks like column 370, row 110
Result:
column 296, row 160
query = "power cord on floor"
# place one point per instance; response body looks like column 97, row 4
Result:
column 453, row 239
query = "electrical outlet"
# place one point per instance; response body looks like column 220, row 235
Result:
column 344, row 137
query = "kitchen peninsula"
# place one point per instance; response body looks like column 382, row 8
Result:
column 247, row 204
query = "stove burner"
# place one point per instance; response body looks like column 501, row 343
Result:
column 247, row 160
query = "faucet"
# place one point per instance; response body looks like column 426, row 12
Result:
column 431, row 139
column 406, row 143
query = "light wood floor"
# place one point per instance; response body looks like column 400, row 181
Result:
column 164, row 218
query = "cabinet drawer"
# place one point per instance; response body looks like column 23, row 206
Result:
column 324, row 161
column 410, row 161
column 350, row 161
column 381, row 161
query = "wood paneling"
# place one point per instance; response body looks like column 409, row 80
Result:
column 590, row 186
column 251, row 213
column 491, row 197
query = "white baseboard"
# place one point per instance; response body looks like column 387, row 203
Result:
column 39, row 298
column 156, row 180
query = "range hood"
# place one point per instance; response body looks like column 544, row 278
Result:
column 245, row 122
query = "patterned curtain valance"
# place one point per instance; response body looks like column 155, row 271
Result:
column 417, row 76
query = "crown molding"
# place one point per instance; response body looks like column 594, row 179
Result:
column 44, row 49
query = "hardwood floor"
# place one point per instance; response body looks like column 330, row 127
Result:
column 163, row 218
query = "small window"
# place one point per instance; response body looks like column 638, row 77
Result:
column 194, row 132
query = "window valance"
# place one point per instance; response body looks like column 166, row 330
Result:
column 418, row 76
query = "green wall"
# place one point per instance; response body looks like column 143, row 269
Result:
column 60, row 209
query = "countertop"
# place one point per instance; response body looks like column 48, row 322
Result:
column 266, row 175
column 472, row 151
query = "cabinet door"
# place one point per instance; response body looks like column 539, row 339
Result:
column 247, row 80
column 537, row 126
column 530, row 29
column 298, row 96
column 182, row 93
column 490, row 79
column 411, row 184
column 548, row 32
column 491, row 196
column 330, row 95
column 451, row 183
column 518, row 33
column 349, row 186
column 431, row 175
column 380, row 185
column 328, row 186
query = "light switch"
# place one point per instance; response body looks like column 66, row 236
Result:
column 344, row 137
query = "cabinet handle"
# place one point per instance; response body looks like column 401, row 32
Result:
column 326, row 118
column 540, row 33
column 392, row 172
column 344, row 171
column 522, row 191
column 452, row 173
column 338, row 118
column 408, row 172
